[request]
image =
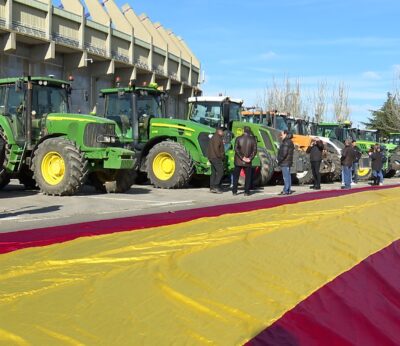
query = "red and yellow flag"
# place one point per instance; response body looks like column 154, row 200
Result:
column 304, row 270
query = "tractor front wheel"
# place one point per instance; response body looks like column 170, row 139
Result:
column 59, row 167
column 169, row 166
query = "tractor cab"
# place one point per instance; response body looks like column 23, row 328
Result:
column 26, row 102
column 394, row 138
column 214, row 111
column 133, row 107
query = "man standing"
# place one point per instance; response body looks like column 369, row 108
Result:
column 216, row 155
column 315, row 151
column 357, row 155
column 245, row 151
column 347, row 159
column 285, row 160
column 377, row 165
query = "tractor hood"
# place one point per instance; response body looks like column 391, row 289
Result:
column 56, row 117
column 179, row 125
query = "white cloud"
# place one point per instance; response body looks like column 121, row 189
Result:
column 267, row 56
column 371, row 75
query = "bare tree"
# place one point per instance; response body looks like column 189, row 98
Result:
column 320, row 101
column 341, row 110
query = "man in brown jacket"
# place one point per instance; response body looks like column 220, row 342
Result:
column 216, row 155
column 245, row 151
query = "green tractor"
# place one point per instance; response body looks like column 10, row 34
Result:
column 394, row 138
column 171, row 152
column 45, row 146
column 367, row 138
column 222, row 110
column 338, row 133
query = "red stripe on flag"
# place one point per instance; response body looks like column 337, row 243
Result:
column 360, row 307
column 13, row 241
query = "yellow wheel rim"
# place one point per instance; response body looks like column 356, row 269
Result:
column 164, row 166
column 53, row 168
column 363, row 172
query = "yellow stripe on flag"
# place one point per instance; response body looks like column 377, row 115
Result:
column 214, row 280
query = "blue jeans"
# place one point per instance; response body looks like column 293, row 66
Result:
column 346, row 176
column 287, row 179
column 378, row 174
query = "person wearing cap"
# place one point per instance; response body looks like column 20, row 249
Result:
column 315, row 150
column 245, row 151
column 285, row 160
column 216, row 155
column 346, row 160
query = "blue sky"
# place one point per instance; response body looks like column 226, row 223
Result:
column 243, row 45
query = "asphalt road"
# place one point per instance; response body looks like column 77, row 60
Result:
column 21, row 209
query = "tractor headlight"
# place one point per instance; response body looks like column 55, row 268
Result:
column 105, row 139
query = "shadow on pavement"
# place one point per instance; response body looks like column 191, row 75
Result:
column 29, row 210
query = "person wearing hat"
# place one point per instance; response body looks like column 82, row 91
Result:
column 216, row 155
column 245, row 151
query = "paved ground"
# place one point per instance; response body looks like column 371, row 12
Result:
column 21, row 209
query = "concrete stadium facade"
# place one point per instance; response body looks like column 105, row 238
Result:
column 37, row 38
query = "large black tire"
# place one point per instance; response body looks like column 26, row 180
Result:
column 113, row 180
column 336, row 173
column 25, row 178
column 390, row 173
column 59, row 167
column 169, row 165
column 304, row 177
column 4, row 155
column 264, row 175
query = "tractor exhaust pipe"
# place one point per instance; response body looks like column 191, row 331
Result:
column 135, row 120
column 29, row 114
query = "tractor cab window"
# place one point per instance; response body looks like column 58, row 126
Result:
column 118, row 105
column 49, row 99
column 149, row 106
column 15, row 109
column 234, row 112
column 208, row 113
column 281, row 123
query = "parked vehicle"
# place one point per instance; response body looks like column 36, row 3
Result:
column 48, row 147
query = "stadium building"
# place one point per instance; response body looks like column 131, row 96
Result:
column 95, row 43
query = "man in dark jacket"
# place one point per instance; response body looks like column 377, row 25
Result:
column 245, row 151
column 216, row 155
column 357, row 157
column 347, row 159
column 377, row 165
column 315, row 150
column 285, row 160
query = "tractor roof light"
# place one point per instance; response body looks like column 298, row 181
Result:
column 71, row 78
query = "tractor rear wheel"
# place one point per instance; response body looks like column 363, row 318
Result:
column 59, row 167
column 264, row 175
column 169, row 165
column 4, row 155
column 113, row 181
column 304, row 177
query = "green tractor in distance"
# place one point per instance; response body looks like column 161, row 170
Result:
column 46, row 146
column 367, row 138
column 171, row 152
column 222, row 110
column 394, row 138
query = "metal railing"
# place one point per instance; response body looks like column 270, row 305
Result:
column 96, row 50
column 58, row 38
column 120, row 57
column 28, row 30
column 141, row 64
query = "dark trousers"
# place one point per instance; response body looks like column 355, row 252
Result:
column 247, row 182
column 315, row 166
column 217, row 172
